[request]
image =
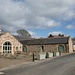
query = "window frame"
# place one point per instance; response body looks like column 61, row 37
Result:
column 7, row 47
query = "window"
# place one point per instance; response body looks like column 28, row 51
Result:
column 42, row 48
column 24, row 49
column 61, row 48
column 16, row 48
column 7, row 47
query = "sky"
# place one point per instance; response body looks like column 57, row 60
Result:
column 39, row 17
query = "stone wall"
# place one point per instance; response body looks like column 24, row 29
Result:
column 47, row 48
column 8, row 37
column 70, row 43
column 73, row 47
column 67, row 48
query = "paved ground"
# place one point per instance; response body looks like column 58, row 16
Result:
column 64, row 65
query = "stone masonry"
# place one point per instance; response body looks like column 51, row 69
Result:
column 8, row 37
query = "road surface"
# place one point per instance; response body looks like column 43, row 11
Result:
column 64, row 65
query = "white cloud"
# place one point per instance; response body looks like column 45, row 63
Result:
column 12, row 15
column 56, row 33
column 52, row 8
column 70, row 27
column 33, row 34
column 35, row 14
column 43, row 23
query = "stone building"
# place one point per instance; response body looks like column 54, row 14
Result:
column 9, row 44
column 12, row 43
column 74, row 45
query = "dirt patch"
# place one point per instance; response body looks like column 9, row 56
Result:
column 10, row 62
column 6, row 63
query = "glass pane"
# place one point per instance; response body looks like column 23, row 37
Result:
column 61, row 48
column 16, row 48
column 3, row 47
column 5, row 43
column 24, row 49
column 10, row 51
column 42, row 48
column 3, row 51
column 10, row 48
column 9, row 43
column 7, row 47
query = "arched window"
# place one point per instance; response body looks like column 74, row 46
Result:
column 61, row 48
column 7, row 47
column 42, row 48
column 24, row 49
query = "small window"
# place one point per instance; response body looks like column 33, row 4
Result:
column 24, row 49
column 61, row 48
column 16, row 48
column 42, row 48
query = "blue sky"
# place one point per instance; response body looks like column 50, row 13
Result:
column 39, row 17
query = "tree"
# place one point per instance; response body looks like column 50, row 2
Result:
column 59, row 35
column 50, row 35
column 23, row 32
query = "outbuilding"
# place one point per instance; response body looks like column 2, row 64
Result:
column 12, row 43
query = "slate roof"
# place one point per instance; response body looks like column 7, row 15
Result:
column 73, row 42
column 19, row 38
column 42, row 41
column 46, row 41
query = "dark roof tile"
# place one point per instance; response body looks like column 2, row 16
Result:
column 19, row 38
column 63, row 40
